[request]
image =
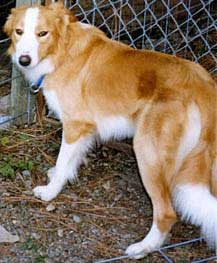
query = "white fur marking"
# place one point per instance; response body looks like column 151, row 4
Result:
column 84, row 25
column 44, row 67
column 53, row 102
column 28, row 44
column 152, row 241
column 116, row 127
column 197, row 205
column 69, row 159
column 191, row 135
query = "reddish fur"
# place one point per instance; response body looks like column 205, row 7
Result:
column 95, row 76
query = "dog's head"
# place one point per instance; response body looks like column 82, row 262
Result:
column 35, row 32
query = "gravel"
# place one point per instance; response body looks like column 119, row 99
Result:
column 96, row 217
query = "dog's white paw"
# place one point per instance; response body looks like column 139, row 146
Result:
column 137, row 250
column 45, row 193
column 154, row 240
column 51, row 173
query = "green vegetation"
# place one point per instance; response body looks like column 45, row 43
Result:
column 11, row 164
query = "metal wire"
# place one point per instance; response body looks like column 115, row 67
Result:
column 156, row 24
column 8, row 80
column 161, row 252
column 7, row 4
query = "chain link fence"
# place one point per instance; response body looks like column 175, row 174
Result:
column 5, row 65
column 185, row 28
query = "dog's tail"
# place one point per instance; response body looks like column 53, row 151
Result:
column 214, row 166
column 196, row 204
column 195, row 199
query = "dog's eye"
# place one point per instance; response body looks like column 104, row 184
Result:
column 42, row 33
column 19, row 31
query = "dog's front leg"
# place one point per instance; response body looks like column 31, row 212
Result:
column 69, row 159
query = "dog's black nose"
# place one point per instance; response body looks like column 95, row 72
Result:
column 24, row 60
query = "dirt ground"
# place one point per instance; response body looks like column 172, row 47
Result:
column 97, row 217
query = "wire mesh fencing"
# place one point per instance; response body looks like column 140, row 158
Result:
column 165, row 257
column 185, row 28
column 5, row 67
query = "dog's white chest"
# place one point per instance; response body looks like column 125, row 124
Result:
column 53, row 102
column 115, row 127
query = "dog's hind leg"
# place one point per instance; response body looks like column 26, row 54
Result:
column 155, row 145
column 164, row 215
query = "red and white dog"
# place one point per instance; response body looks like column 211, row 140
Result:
column 98, row 86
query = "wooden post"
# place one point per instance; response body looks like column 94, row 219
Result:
column 47, row 2
column 21, row 100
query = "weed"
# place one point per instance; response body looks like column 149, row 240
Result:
column 30, row 244
column 7, row 170
column 40, row 259
column 4, row 141
column 10, row 165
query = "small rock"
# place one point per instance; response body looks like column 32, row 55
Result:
column 50, row 208
column 5, row 236
column 74, row 196
column 26, row 173
column 60, row 232
column 107, row 186
column 104, row 154
column 53, row 252
column 6, row 194
column 76, row 218
column 118, row 197
column 28, row 184
column 36, row 236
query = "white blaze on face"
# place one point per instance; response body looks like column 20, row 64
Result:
column 28, row 43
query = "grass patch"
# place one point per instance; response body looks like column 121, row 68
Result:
column 10, row 165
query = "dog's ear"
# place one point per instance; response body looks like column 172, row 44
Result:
column 62, row 12
column 8, row 27
column 56, row 6
column 63, row 17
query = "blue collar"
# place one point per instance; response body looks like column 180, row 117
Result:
column 35, row 87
